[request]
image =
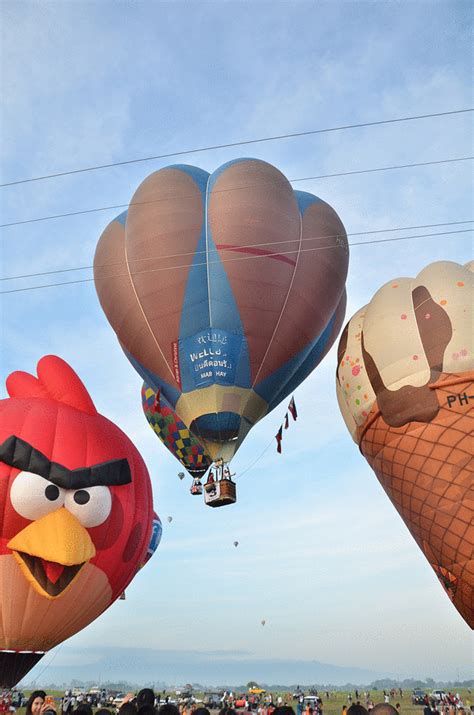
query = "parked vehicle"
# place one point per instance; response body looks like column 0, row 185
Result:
column 118, row 700
column 418, row 697
column 212, row 701
column 438, row 695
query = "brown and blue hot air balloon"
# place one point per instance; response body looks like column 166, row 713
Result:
column 225, row 291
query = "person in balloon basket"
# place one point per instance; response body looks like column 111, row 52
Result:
column 219, row 465
column 226, row 475
column 211, row 484
column 212, row 480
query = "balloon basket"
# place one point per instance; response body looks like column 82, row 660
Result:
column 220, row 493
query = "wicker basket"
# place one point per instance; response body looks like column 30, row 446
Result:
column 220, row 493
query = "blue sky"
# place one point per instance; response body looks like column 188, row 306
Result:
column 323, row 556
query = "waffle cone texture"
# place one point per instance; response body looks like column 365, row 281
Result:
column 426, row 469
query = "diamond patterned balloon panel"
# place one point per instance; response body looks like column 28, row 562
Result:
column 173, row 433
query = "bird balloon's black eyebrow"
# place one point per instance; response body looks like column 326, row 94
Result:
column 19, row 454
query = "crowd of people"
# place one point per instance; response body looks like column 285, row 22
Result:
column 145, row 702
column 448, row 704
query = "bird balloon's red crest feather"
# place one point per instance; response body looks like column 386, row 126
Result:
column 56, row 380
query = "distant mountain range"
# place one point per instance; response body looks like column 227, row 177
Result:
column 211, row 668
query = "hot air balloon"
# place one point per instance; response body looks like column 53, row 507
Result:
column 181, row 475
column 174, row 434
column 169, row 519
column 236, row 543
column 263, row 621
column 405, row 389
column 225, row 291
column 155, row 538
column 76, row 505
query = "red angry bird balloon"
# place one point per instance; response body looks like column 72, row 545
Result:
column 76, row 506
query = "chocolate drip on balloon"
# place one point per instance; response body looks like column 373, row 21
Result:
column 410, row 403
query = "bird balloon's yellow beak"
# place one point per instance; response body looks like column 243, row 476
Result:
column 52, row 551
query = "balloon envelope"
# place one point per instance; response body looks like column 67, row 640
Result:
column 76, row 505
column 174, row 434
column 404, row 377
column 224, row 291
column 155, row 538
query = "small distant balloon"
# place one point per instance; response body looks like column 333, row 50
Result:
column 263, row 621
column 236, row 543
column 169, row 519
column 181, row 475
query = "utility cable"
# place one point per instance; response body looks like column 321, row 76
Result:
column 253, row 245
column 244, row 142
column 240, row 258
column 236, row 188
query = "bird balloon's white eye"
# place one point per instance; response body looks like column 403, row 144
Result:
column 90, row 506
column 33, row 496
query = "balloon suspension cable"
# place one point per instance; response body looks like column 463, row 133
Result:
column 46, row 666
column 252, row 464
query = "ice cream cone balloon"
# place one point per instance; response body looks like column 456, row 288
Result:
column 405, row 389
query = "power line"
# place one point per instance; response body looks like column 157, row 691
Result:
column 237, row 188
column 244, row 142
column 253, row 245
column 240, row 258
